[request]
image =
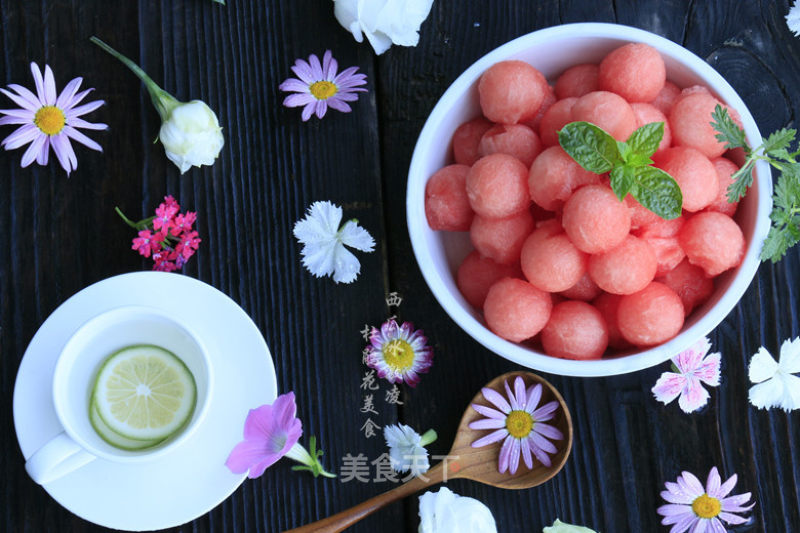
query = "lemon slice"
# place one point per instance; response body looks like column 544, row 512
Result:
column 144, row 393
column 114, row 439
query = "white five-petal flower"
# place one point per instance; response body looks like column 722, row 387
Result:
column 775, row 384
column 384, row 22
column 324, row 252
column 407, row 448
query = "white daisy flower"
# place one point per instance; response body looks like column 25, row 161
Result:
column 775, row 384
column 407, row 448
column 793, row 19
column 324, row 252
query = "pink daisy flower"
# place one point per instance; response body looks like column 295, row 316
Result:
column 319, row 86
column 519, row 423
column 692, row 507
column 49, row 119
column 399, row 353
column 692, row 366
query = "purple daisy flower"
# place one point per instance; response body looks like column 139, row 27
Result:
column 399, row 353
column 49, row 120
column 693, row 507
column 319, row 86
column 519, row 424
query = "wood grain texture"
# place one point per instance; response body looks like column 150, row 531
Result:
column 58, row 235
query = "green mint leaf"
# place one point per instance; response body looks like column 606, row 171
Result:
column 623, row 180
column 625, row 151
column 778, row 142
column 592, row 148
column 658, row 192
column 645, row 140
column 728, row 131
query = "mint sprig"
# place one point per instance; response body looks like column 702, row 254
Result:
column 627, row 162
column 776, row 150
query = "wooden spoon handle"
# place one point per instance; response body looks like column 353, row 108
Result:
column 347, row 518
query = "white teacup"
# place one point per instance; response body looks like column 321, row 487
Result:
column 74, row 376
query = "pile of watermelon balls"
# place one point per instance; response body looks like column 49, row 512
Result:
column 559, row 260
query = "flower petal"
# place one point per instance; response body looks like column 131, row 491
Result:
column 72, row 133
column 545, row 412
column 542, row 442
column 339, row 104
column 298, row 99
column 26, row 94
column 488, row 411
column 68, row 93
column 514, row 454
column 727, row 487
column 39, row 82
column 551, row 432
column 487, row 423
column 768, row 394
column 245, row 455
column 668, row 387
column 708, row 370
column 76, row 122
column 533, row 398
column 346, row 266
column 34, row 151
column 293, row 85
column 732, row 518
column 64, row 152
column 790, row 356
column 690, row 484
column 84, row 109
column 20, row 101
column 356, row 237
column 701, row 526
column 320, row 224
column 491, row 438
column 21, row 136
column 505, row 454
column 50, row 94
column 694, row 396
column 762, row 366
column 496, row 399
column 44, row 153
column 520, row 393
column 713, row 483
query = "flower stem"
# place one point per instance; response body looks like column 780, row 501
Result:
column 309, row 460
column 428, row 437
column 162, row 100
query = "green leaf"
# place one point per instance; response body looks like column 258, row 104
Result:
column 645, row 140
column 785, row 230
column 729, row 131
column 593, row 149
column 743, row 178
column 658, row 192
column 778, row 142
column 622, row 180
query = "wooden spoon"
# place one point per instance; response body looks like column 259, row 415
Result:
column 466, row 462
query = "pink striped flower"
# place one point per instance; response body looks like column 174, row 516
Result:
column 520, row 424
column 694, row 365
column 49, row 120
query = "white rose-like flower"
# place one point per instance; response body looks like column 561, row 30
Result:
column 384, row 22
column 447, row 512
column 191, row 135
column 561, row 527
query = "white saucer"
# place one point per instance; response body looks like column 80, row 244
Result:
column 191, row 480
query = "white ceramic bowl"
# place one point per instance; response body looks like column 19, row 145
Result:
column 553, row 50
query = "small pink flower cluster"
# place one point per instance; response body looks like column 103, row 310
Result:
column 171, row 240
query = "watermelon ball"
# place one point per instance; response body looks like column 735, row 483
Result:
column 585, row 290
column 553, row 177
column 646, row 114
column 690, row 283
column 477, row 274
column 595, row 220
column 662, row 236
column 466, row 139
column 634, row 71
column 690, row 119
column 551, row 262
column 576, row 330
column 516, row 310
column 650, row 316
column 725, row 169
column 695, row 174
column 549, row 100
column 666, row 97
column 712, row 241
column 661, row 228
column 626, row 269
column 577, row 81
column 608, row 111
column 501, row 239
column 511, row 92
column 607, row 304
column 512, row 139
column 640, row 215
column 556, row 117
column 497, row 186
column 446, row 203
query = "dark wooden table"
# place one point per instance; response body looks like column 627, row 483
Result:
column 58, row 235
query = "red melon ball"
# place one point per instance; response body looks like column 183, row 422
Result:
column 556, row 117
column 690, row 283
column 549, row 100
column 651, row 316
column 640, row 215
column 608, row 111
column 512, row 139
column 713, row 241
column 511, row 92
column 516, row 310
column 626, row 269
column 725, row 169
column 446, row 203
column 695, row 174
column 595, row 220
column 551, row 262
column 666, row 97
column 584, row 289
column 497, row 186
column 690, row 119
column 477, row 274
column 634, row 71
column 576, row 330
column 501, row 239
column 577, row 81
column 466, row 139
column 553, row 177
column 608, row 304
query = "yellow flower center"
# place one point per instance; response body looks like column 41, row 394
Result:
column 399, row 355
column 519, row 424
column 706, row 507
column 50, row 120
column 322, row 90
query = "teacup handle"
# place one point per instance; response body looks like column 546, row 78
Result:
column 60, row 456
